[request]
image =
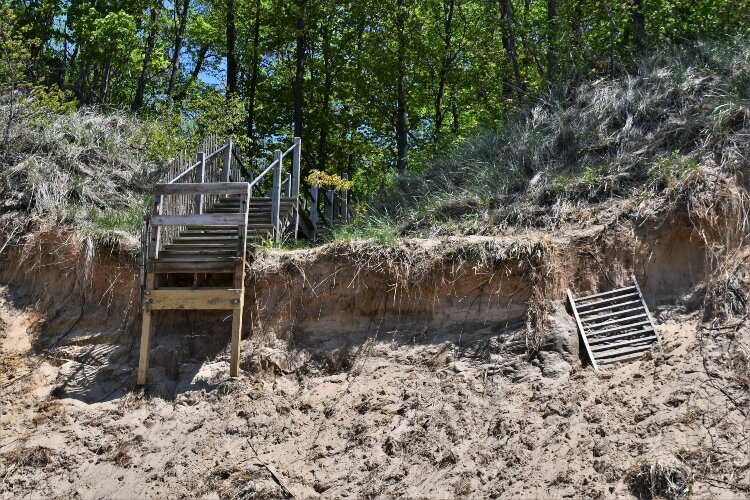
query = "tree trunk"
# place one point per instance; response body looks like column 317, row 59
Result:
column 300, row 74
column 325, row 111
column 150, row 42
column 175, row 62
column 253, row 81
column 509, row 43
column 231, row 52
column 445, row 67
column 639, row 22
column 402, row 145
column 200, row 58
column 551, row 41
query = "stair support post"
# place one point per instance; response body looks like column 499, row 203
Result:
column 276, row 194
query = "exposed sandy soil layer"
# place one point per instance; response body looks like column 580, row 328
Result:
column 427, row 369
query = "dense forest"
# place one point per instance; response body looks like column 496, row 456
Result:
column 375, row 89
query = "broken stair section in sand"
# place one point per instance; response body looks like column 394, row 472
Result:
column 615, row 326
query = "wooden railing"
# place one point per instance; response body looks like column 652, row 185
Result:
column 221, row 162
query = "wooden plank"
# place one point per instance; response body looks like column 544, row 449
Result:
column 198, row 258
column 145, row 348
column 616, row 329
column 599, row 340
column 189, row 267
column 198, row 220
column 189, row 188
column 611, row 299
column 607, row 308
column 189, row 299
column 614, row 354
column 650, row 319
column 616, row 321
column 234, row 362
column 613, row 314
column 580, row 329
column 604, row 294
column 617, row 345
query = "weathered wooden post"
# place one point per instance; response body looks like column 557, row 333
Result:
column 276, row 194
column 250, row 179
column 288, row 185
column 296, row 165
column 345, row 200
column 201, row 178
column 314, row 215
column 227, row 167
column 330, row 196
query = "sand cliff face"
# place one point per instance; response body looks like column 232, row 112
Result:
column 429, row 368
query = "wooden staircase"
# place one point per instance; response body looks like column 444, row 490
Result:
column 204, row 222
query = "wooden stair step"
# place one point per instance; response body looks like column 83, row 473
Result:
column 197, row 258
column 171, row 267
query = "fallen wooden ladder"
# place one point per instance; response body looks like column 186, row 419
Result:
column 615, row 326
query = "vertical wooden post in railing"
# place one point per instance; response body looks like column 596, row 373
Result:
column 330, row 195
column 201, row 178
column 296, row 165
column 227, row 167
column 276, row 194
column 288, row 185
column 345, row 200
column 250, row 179
column 314, row 210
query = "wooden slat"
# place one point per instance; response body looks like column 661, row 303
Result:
column 580, row 329
column 648, row 313
column 617, row 345
column 610, row 338
column 197, row 258
column 615, row 329
column 607, row 308
column 611, row 299
column 603, row 294
column 198, row 220
column 190, row 267
column 614, row 354
column 613, row 314
column 616, row 321
column 189, row 188
column 193, row 299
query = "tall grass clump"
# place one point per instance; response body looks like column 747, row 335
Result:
column 672, row 114
column 89, row 170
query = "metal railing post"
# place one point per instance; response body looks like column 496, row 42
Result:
column 201, row 178
column 276, row 194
